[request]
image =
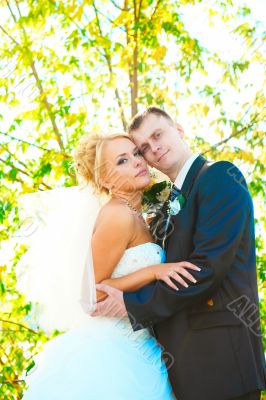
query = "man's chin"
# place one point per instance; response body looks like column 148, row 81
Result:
column 162, row 166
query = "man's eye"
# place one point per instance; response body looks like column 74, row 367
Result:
column 158, row 134
column 138, row 154
column 144, row 150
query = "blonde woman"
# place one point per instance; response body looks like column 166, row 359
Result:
column 105, row 358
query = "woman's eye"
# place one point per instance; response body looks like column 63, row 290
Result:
column 121, row 161
column 138, row 154
column 158, row 134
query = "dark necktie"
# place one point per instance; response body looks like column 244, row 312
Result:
column 174, row 193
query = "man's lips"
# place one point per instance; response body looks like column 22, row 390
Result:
column 162, row 155
column 142, row 172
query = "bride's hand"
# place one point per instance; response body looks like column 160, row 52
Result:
column 165, row 272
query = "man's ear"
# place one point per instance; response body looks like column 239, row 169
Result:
column 180, row 130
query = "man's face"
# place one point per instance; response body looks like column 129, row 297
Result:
column 161, row 143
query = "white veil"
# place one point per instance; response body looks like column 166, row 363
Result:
column 57, row 270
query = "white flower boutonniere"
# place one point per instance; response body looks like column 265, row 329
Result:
column 174, row 207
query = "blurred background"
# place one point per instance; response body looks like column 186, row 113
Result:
column 71, row 67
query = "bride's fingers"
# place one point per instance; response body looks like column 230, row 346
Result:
column 187, row 275
column 168, row 281
column 180, row 280
column 186, row 264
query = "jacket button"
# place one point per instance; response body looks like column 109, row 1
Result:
column 210, row 302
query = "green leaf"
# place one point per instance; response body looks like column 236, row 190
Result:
column 30, row 366
column 13, row 174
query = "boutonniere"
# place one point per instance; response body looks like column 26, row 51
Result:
column 175, row 206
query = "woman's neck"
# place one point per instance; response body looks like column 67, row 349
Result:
column 134, row 199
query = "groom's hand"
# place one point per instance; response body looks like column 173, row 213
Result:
column 100, row 296
column 113, row 305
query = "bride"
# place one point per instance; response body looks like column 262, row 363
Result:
column 103, row 357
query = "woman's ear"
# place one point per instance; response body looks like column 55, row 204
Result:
column 180, row 130
column 103, row 184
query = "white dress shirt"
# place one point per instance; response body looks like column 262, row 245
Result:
column 184, row 171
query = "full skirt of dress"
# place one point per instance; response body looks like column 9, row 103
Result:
column 102, row 359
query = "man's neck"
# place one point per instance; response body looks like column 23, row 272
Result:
column 174, row 174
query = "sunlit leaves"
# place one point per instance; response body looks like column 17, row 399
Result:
column 70, row 67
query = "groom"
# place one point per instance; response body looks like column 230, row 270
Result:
column 211, row 329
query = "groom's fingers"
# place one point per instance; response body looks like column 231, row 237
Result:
column 107, row 307
column 100, row 307
column 106, row 288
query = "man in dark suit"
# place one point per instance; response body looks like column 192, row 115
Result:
column 211, row 330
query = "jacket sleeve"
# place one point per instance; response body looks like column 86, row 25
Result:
column 224, row 204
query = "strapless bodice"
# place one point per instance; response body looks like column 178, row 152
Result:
column 137, row 257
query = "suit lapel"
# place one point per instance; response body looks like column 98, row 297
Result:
column 192, row 175
column 187, row 186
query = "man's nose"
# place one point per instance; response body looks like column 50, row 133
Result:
column 155, row 147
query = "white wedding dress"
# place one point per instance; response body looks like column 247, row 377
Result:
column 104, row 358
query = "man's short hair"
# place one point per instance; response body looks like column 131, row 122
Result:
column 138, row 119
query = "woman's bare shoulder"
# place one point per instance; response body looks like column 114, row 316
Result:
column 116, row 213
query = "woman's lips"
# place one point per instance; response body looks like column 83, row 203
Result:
column 143, row 172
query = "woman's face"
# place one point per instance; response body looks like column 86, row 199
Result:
column 125, row 170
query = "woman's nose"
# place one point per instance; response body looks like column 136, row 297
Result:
column 137, row 162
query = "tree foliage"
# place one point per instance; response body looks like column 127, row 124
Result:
column 70, row 67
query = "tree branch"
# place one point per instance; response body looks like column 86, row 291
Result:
column 108, row 60
column 234, row 134
column 10, row 37
column 135, row 9
column 38, row 81
column 47, row 106
column 110, row 20
column 133, row 72
column 117, row 6
column 11, row 381
column 14, row 156
column 28, row 143
column 9, row 164
column 155, row 10
column 11, row 11
column 18, row 9
column 140, row 4
column 20, row 325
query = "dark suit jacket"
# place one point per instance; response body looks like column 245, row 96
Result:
column 210, row 331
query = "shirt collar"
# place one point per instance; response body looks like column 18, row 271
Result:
column 184, row 170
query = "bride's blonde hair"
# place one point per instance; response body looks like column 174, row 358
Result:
column 88, row 159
